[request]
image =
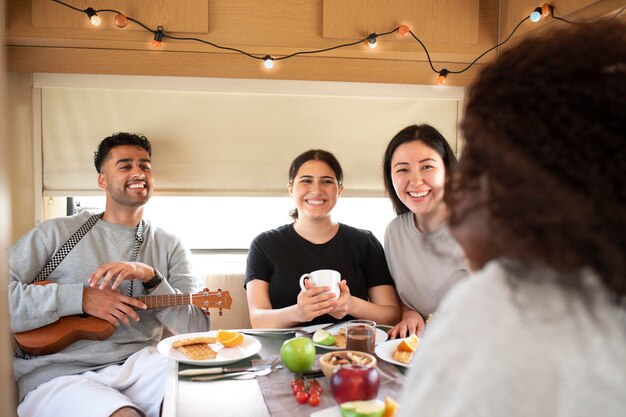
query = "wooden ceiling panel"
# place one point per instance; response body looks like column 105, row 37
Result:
column 189, row 16
column 442, row 21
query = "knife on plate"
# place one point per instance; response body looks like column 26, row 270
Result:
column 219, row 370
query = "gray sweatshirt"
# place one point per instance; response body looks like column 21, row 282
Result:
column 33, row 306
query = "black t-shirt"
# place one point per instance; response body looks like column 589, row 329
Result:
column 281, row 256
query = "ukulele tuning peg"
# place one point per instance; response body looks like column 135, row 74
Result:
column 220, row 311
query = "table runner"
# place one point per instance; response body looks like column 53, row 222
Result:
column 281, row 402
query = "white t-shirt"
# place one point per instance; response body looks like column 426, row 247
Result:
column 424, row 266
column 504, row 347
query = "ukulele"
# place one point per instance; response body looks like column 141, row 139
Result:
column 56, row 336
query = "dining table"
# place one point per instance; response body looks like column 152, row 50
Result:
column 270, row 395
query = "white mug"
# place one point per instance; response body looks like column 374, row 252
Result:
column 323, row 278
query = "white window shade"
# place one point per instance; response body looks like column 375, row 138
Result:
column 238, row 139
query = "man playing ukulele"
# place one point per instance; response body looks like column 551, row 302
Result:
column 99, row 265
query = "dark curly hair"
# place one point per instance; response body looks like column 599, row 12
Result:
column 118, row 139
column 314, row 155
column 432, row 138
column 544, row 124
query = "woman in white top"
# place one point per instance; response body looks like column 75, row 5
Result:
column 539, row 207
column 424, row 260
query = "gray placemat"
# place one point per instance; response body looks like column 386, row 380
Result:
column 280, row 401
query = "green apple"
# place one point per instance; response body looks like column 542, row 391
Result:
column 298, row 354
column 323, row 337
column 371, row 408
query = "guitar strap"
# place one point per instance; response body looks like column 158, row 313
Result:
column 67, row 247
column 76, row 237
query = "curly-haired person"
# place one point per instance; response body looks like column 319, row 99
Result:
column 538, row 204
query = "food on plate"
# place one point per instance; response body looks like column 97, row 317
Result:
column 409, row 344
column 402, row 356
column 194, row 341
column 404, row 351
column 323, row 337
column 340, row 338
column 197, row 351
column 229, row 339
column 298, row 354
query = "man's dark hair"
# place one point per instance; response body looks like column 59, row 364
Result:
column 118, row 139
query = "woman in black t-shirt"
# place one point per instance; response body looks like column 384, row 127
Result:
column 278, row 258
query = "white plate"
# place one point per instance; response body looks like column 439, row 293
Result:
column 249, row 347
column 385, row 352
column 381, row 335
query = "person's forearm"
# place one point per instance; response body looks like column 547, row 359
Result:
column 271, row 318
column 381, row 314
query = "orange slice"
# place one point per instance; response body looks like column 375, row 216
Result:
column 391, row 407
column 229, row 339
column 409, row 344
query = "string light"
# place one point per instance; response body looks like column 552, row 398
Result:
column 371, row 40
column 403, row 30
column 535, row 16
column 443, row 77
column 122, row 20
column 268, row 62
column 546, row 9
column 158, row 37
column 93, row 16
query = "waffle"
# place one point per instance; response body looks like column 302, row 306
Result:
column 193, row 341
column 340, row 340
column 402, row 356
column 197, row 351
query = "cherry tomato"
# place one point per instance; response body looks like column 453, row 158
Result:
column 314, row 399
column 315, row 387
column 302, row 396
column 296, row 381
column 298, row 388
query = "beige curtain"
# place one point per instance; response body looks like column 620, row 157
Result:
column 229, row 142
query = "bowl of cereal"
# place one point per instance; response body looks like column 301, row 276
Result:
column 331, row 360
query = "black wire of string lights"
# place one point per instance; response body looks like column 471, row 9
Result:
column 159, row 34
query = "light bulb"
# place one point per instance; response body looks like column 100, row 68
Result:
column 403, row 30
column 371, row 40
column 121, row 21
column 158, row 37
column 546, row 9
column 95, row 20
column 93, row 17
column 268, row 62
column 535, row 16
column 443, row 77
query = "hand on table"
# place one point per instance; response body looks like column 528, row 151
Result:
column 412, row 323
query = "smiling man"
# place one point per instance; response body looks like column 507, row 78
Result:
column 97, row 264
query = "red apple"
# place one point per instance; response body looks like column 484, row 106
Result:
column 354, row 382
